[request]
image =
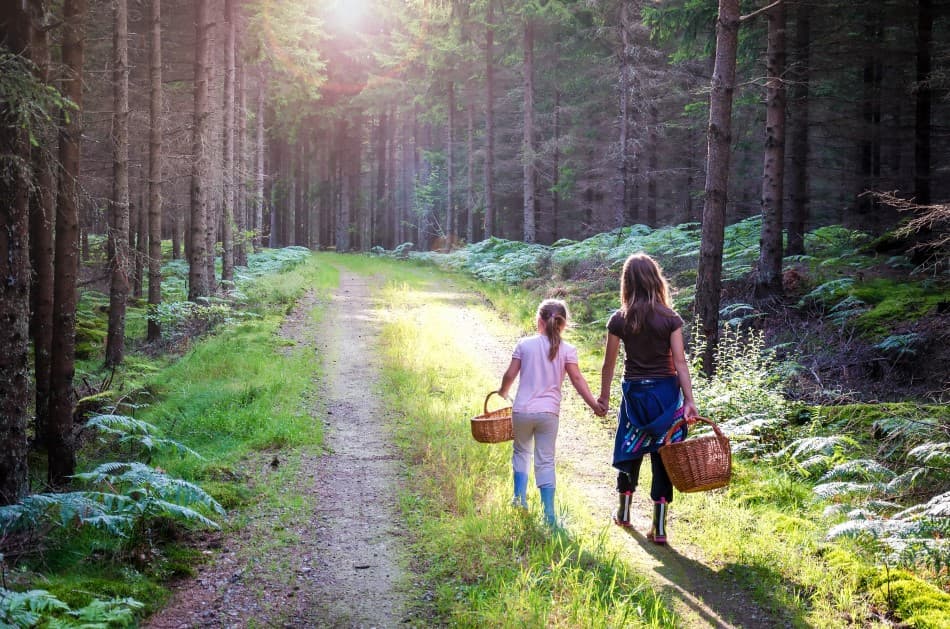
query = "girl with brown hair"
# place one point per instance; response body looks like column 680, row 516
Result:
column 657, row 389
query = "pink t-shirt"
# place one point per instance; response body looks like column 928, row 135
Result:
column 539, row 387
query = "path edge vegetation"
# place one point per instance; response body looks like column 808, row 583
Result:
column 202, row 418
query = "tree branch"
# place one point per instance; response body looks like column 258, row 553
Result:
column 743, row 18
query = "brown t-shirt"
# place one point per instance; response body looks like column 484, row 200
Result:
column 647, row 354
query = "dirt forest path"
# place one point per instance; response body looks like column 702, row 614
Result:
column 340, row 561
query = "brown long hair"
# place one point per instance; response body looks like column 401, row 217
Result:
column 554, row 314
column 642, row 287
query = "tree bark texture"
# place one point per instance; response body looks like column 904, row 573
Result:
column 240, row 166
column 121, row 261
column 923, row 103
column 623, row 122
column 155, row 165
column 15, row 271
column 470, row 167
column 227, row 233
column 489, row 227
column 60, row 443
column 42, row 209
column 709, row 272
column 199, row 284
column 451, row 220
column 341, row 238
column 527, row 144
column 768, row 284
column 259, row 170
column 798, row 140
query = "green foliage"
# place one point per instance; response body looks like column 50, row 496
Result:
column 743, row 396
column 135, row 432
column 144, row 494
column 123, row 500
column 41, row 608
column 29, row 104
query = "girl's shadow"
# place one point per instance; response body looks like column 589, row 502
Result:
column 719, row 598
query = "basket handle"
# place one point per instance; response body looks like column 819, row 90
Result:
column 487, row 397
column 689, row 421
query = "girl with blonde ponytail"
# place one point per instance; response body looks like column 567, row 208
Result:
column 542, row 360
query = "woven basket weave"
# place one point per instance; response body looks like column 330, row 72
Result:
column 700, row 463
column 493, row 426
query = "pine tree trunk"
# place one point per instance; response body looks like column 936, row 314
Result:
column 259, row 171
column 60, row 444
column 798, row 142
column 451, row 221
column 391, row 209
column 709, row 272
column 556, row 176
column 383, row 211
column 923, row 104
column 141, row 240
column 343, row 209
column 489, row 229
column 199, row 284
column 527, row 145
column 768, row 283
column 653, row 145
column 470, row 191
column 240, row 166
column 227, row 233
column 155, row 165
column 622, row 195
column 212, row 180
column 15, row 183
column 42, row 212
column 121, row 263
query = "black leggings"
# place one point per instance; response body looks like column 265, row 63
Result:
column 629, row 474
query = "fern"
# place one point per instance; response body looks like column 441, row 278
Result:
column 816, row 446
column 907, row 480
column 900, row 345
column 40, row 608
column 158, row 494
column 129, row 430
column 858, row 469
column 24, row 609
column 875, row 528
column 837, row 489
column 123, row 499
column 933, row 454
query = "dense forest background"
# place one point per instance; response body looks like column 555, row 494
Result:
column 221, row 126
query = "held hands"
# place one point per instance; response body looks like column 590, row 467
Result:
column 602, row 406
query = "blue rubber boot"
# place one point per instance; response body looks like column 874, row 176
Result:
column 521, row 490
column 547, row 499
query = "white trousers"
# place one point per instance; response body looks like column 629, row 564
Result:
column 541, row 429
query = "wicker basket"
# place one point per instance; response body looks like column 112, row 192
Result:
column 493, row 426
column 698, row 464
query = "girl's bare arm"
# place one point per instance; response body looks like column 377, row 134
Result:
column 682, row 372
